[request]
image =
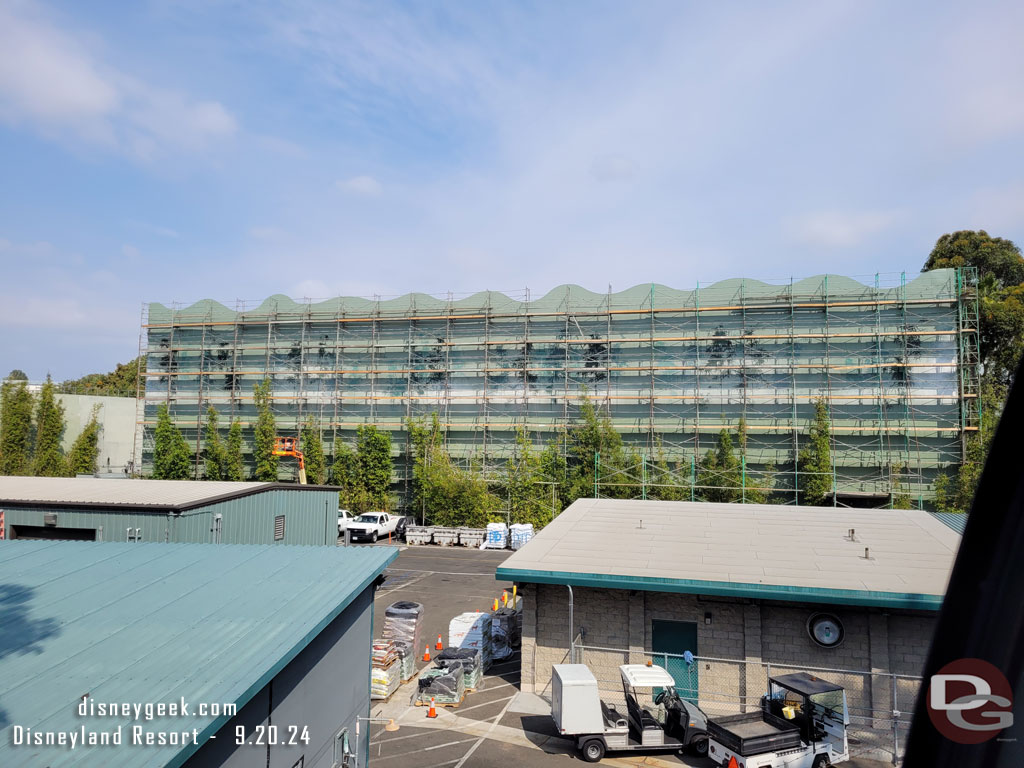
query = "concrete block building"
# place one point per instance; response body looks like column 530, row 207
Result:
column 264, row 652
column 742, row 588
column 94, row 509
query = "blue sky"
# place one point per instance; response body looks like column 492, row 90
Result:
column 171, row 151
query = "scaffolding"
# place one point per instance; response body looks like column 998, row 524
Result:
column 895, row 360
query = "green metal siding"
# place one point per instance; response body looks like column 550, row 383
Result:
column 310, row 518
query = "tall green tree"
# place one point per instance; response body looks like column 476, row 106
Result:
column 17, row 375
column 554, row 471
column 215, row 454
column 719, row 478
column 172, row 459
column 815, row 460
column 263, row 435
column 48, row 457
column 899, row 498
column 83, row 458
column 595, row 447
column 15, row 428
column 313, row 452
column 234, row 464
column 124, row 381
column 345, row 475
column 1000, row 295
column 374, row 449
column 528, row 500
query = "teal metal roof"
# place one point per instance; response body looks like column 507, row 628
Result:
column 149, row 623
column 762, row 551
column 955, row 520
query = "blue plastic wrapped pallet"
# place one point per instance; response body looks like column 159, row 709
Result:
column 519, row 534
column 497, row 536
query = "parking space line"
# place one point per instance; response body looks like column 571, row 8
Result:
column 425, row 749
column 485, row 704
column 490, row 730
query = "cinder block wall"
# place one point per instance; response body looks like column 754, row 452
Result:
column 875, row 645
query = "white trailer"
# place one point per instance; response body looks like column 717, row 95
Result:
column 656, row 718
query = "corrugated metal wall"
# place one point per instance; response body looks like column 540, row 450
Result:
column 310, row 518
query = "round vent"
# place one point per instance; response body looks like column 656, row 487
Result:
column 825, row 629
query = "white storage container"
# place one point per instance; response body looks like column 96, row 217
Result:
column 575, row 702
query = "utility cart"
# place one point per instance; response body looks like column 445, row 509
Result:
column 801, row 724
column 656, row 718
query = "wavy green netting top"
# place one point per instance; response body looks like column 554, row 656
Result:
column 937, row 285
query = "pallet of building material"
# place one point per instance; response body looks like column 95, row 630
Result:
column 383, row 653
column 445, row 686
column 406, row 660
column 472, row 630
column 497, row 536
column 403, row 621
column 416, row 535
column 446, row 537
column 519, row 534
column 472, row 537
column 505, row 630
column 385, row 681
column 471, row 661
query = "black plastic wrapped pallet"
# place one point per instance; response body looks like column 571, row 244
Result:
column 404, row 609
column 458, row 653
column 446, row 683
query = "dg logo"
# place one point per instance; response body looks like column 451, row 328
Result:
column 970, row 701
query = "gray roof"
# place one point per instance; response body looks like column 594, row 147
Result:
column 156, row 494
column 153, row 623
column 745, row 550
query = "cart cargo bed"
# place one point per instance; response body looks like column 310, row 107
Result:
column 754, row 733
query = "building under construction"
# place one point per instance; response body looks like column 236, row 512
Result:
column 895, row 360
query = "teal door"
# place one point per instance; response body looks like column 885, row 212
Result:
column 676, row 637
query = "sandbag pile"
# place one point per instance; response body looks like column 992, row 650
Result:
column 519, row 534
column 469, row 659
column 445, row 686
column 497, row 536
column 402, row 622
column 472, row 630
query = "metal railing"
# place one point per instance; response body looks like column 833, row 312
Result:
column 880, row 704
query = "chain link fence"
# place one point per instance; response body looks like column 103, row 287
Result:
column 880, row 704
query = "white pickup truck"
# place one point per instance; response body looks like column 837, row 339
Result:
column 344, row 518
column 376, row 525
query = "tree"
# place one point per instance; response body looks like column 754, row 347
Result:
column 719, row 479
column 48, row 456
column 528, row 501
column 815, row 461
column 1000, row 268
column 84, row 455
column 263, row 435
column 234, row 465
column 373, row 447
column 123, row 381
column 899, row 498
column 345, row 475
column 17, row 375
column 593, row 444
column 555, row 470
column 172, row 459
column 445, row 493
column 216, row 457
column 313, row 452
column 15, row 428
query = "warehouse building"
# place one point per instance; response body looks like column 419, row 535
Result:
column 93, row 509
column 274, row 641
column 896, row 360
column 739, row 587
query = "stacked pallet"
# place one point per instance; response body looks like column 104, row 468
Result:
column 386, row 675
column 520, row 534
column 472, row 537
column 406, row 659
column 469, row 659
column 418, row 534
column 444, row 686
column 472, row 630
column 402, row 623
column 446, row 537
column 497, row 536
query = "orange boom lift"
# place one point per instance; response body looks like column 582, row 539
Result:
column 286, row 446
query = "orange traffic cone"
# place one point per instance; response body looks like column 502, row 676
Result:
column 439, row 646
column 504, row 597
column 431, row 712
column 495, row 604
column 426, row 653
column 733, row 763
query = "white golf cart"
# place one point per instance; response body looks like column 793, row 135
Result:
column 801, row 724
column 656, row 718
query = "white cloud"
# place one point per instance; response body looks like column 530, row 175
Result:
column 363, row 186
column 53, row 82
column 840, row 229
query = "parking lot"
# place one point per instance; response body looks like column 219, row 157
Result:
column 494, row 726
